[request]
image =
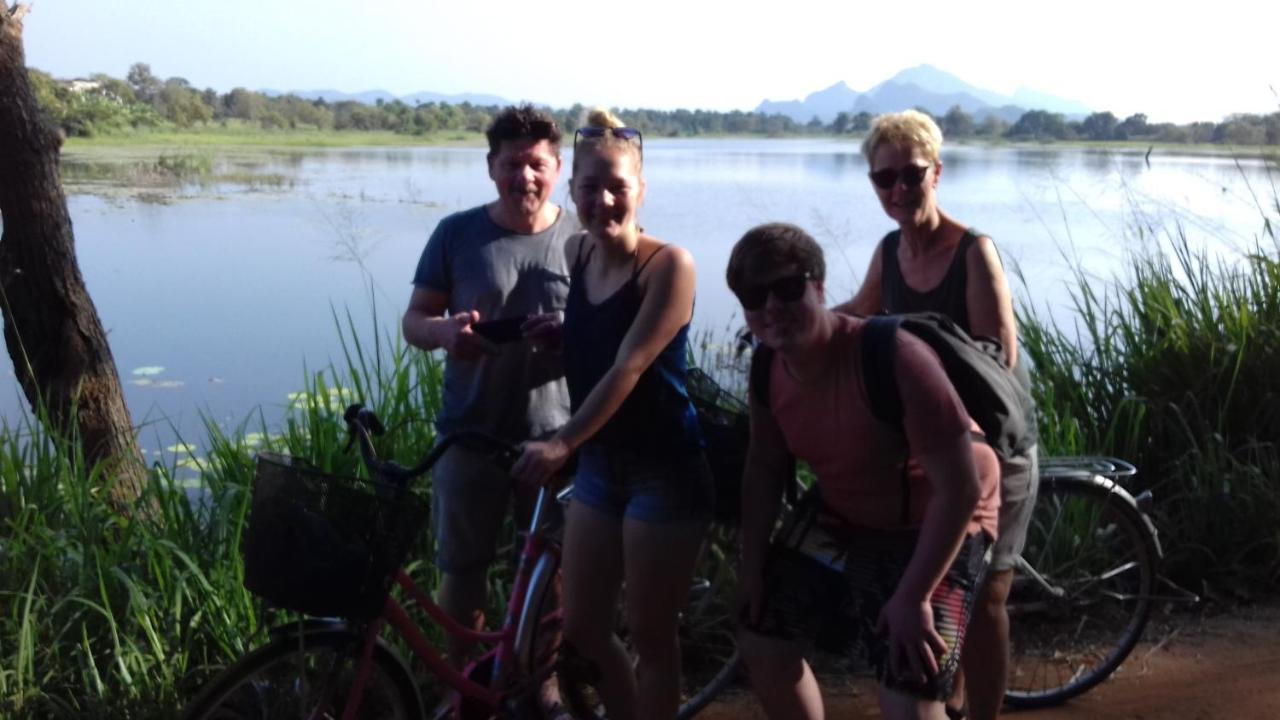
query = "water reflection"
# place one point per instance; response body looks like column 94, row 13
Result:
column 230, row 288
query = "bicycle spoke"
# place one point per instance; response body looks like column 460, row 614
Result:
column 1081, row 592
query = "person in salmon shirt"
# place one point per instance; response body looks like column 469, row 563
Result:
column 882, row 559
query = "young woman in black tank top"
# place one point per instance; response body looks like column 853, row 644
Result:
column 642, row 492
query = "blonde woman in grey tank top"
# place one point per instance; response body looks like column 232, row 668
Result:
column 933, row 262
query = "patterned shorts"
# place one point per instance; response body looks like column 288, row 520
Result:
column 825, row 585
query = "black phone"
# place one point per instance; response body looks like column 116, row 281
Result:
column 504, row 330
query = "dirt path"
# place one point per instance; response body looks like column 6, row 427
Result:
column 1192, row 669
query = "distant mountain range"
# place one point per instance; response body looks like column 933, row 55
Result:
column 923, row 86
column 371, row 97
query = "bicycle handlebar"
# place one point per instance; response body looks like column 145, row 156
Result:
column 363, row 423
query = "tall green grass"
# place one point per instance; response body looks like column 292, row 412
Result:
column 107, row 617
column 1174, row 367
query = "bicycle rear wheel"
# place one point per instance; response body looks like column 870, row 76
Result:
column 308, row 677
column 1082, row 590
column 708, row 651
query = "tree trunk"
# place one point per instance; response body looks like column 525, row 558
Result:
column 51, row 328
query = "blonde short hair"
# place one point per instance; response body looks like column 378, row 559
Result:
column 604, row 118
column 909, row 127
column 600, row 117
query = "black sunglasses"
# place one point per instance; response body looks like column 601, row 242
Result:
column 622, row 133
column 908, row 175
column 789, row 288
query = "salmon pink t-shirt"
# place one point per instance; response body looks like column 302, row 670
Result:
column 858, row 459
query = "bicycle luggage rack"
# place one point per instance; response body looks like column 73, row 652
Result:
column 1114, row 469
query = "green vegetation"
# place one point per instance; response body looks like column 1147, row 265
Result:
column 155, row 173
column 111, row 618
column 239, row 134
column 143, row 109
column 1173, row 368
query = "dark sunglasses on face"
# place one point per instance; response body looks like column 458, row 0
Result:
column 787, row 289
column 622, row 133
column 908, row 175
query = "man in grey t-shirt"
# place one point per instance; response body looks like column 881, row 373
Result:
column 500, row 260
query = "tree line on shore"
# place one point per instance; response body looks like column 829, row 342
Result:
column 143, row 101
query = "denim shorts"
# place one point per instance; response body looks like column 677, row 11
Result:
column 652, row 489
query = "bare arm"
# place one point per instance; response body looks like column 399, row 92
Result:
column 667, row 306
column 953, row 480
column 867, row 301
column 425, row 326
column 907, row 617
column 988, row 299
column 763, row 479
column 937, row 430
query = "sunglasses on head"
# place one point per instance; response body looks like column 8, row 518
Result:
column 622, row 133
column 789, row 288
column 908, row 175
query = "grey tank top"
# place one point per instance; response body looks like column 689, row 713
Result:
column 947, row 297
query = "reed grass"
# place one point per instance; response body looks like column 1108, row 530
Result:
column 1173, row 367
column 107, row 617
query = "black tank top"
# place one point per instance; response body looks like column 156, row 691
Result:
column 657, row 418
column 947, row 297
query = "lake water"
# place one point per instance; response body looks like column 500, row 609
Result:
column 215, row 301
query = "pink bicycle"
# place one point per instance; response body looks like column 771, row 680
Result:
column 331, row 548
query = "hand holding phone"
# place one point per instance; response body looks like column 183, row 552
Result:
column 504, row 330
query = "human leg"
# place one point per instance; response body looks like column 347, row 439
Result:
column 985, row 661
column 896, row 705
column 782, row 680
column 659, row 567
column 592, row 564
column 986, row 649
column 469, row 503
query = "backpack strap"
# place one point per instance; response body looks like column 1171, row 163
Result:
column 760, row 379
column 879, row 347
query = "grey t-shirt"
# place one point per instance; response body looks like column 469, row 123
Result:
column 517, row 394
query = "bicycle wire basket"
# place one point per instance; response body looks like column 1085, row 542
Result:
column 722, row 417
column 323, row 544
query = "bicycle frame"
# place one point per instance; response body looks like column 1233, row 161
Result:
column 503, row 642
column 539, row 556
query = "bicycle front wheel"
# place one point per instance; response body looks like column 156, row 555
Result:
column 1081, row 593
column 708, row 644
column 308, row 676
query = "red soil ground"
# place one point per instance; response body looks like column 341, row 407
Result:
column 1226, row 666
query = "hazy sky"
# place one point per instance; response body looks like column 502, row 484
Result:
column 1174, row 61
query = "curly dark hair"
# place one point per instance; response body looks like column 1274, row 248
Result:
column 774, row 245
column 524, row 122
